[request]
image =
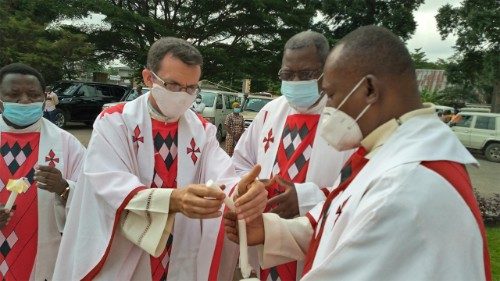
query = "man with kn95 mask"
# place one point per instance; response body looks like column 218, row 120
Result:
column 284, row 138
column 142, row 211
column 404, row 208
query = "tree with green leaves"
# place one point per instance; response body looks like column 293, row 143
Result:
column 476, row 25
column 26, row 35
column 238, row 39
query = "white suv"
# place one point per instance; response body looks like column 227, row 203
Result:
column 477, row 130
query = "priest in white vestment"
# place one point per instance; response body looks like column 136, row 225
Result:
column 404, row 208
column 50, row 160
column 142, row 211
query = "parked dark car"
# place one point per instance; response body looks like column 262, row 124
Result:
column 83, row 101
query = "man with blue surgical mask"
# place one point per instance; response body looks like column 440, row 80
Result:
column 34, row 150
column 284, row 139
column 405, row 208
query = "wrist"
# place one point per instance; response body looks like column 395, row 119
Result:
column 174, row 206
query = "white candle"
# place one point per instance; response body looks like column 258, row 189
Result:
column 245, row 267
column 11, row 200
column 227, row 200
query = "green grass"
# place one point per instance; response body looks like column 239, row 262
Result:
column 493, row 234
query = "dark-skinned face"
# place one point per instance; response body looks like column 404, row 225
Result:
column 20, row 88
column 302, row 60
column 338, row 83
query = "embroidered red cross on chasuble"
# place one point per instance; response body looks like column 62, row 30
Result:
column 19, row 238
column 292, row 163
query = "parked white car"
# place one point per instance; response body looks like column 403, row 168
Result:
column 218, row 104
column 481, row 131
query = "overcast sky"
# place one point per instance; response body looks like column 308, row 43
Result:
column 426, row 35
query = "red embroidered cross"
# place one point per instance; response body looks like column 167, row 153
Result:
column 51, row 158
column 193, row 150
column 269, row 139
column 137, row 135
column 339, row 210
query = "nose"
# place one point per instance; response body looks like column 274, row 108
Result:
column 24, row 99
column 296, row 77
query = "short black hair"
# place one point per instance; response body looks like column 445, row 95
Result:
column 21, row 68
column 310, row 38
column 375, row 50
column 178, row 48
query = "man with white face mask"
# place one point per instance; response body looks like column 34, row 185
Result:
column 404, row 209
column 284, row 139
column 143, row 211
column 50, row 159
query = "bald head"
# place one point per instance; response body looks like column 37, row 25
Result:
column 307, row 39
column 374, row 66
column 373, row 50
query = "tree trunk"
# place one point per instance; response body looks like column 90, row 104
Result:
column 495, row 98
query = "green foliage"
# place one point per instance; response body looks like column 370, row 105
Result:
column 26, row 36
column 430, row 96
column 347, row 15
column 238, row 39
column 493, row 234
column 421, row 62
column 477, row 60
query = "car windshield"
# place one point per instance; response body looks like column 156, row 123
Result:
column 255, row 104
column 70, row 90
column 207, row 98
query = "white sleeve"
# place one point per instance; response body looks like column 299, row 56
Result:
column 246, row 151
column 146, row 221
column 309, row 195
column 73, row 163
column 285, row 240
column 407, row 225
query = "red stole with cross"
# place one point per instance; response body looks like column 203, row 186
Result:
column 292, row 162
column 165, row 176
column 18, row 239
column 351, row 169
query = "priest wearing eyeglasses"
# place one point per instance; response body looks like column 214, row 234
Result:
column 141, row 211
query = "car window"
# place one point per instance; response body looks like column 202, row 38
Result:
column 255, row 104
column 218, row 104
column 207, row 98
column 70, row 90
column 485, row 122
column 230, row 99
column 104, row 90
column 88, row 91
column 465, row 121
column 118, row 92
column 132, row 95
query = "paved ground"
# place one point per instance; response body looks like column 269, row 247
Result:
column 486, row 178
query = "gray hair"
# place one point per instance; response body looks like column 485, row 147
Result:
column 310, row 38
column 178, row 48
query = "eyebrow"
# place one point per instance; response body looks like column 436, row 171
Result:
column 173, row 81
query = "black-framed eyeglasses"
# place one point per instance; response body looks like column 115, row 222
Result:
column 175, row 87
column 288, row 75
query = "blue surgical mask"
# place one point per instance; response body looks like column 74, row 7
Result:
column 300, row 94
column 22, row 114
column 236, row 110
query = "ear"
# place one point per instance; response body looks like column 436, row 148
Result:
column 147, row 78
column 372, row 89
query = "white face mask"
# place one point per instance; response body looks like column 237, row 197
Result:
column 339, row 129
column 171, row 104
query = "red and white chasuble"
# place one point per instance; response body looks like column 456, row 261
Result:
column 165, row 176
column 119, row 213
column 29, row 242
column 287, row 143
column 19, row 238
column 408, row 210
